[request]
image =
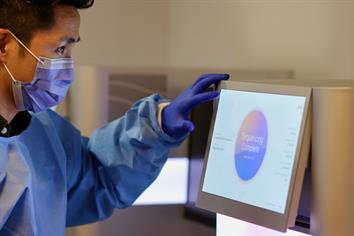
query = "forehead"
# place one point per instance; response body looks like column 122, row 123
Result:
column 66, row 25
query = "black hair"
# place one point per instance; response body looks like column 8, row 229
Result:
column 79, row 4
column 24, row 17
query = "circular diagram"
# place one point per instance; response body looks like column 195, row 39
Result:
column 251, row 145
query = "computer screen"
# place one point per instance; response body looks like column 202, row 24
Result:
column 244, row 132
column 253, row 154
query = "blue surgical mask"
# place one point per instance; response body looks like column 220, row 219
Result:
column 49, row 86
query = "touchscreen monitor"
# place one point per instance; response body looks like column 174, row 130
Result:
column 257, row 153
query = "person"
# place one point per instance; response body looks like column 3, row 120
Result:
column 51, row 176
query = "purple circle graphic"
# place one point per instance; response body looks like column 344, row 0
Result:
column 251, row 145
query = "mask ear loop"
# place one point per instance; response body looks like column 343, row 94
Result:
column 25, row 47
column 8, row 71
column 18, row 100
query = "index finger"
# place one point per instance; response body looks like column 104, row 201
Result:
column 205, row 81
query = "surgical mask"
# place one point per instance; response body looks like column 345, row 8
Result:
column 49, row 86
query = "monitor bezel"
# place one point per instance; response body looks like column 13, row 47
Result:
column 246, row 212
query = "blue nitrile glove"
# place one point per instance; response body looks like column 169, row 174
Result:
column 175, row 120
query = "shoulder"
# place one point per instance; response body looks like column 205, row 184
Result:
column 52, row 120
column 49, row 117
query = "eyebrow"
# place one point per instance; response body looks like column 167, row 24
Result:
column 69, row 40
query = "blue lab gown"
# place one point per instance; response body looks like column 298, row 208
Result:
column 52, row 177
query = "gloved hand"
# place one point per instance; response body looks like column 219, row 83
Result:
column 175, row 120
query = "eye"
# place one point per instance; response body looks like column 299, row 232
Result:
column 60, row 51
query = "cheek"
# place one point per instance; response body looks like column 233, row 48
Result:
column 23, row 67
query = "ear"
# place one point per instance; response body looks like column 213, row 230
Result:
column 4, row 39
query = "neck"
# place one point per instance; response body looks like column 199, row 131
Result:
column 7, row 104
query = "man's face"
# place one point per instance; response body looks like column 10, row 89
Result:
column 57, row 42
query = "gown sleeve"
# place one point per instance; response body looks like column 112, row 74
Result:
column 116, row 164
